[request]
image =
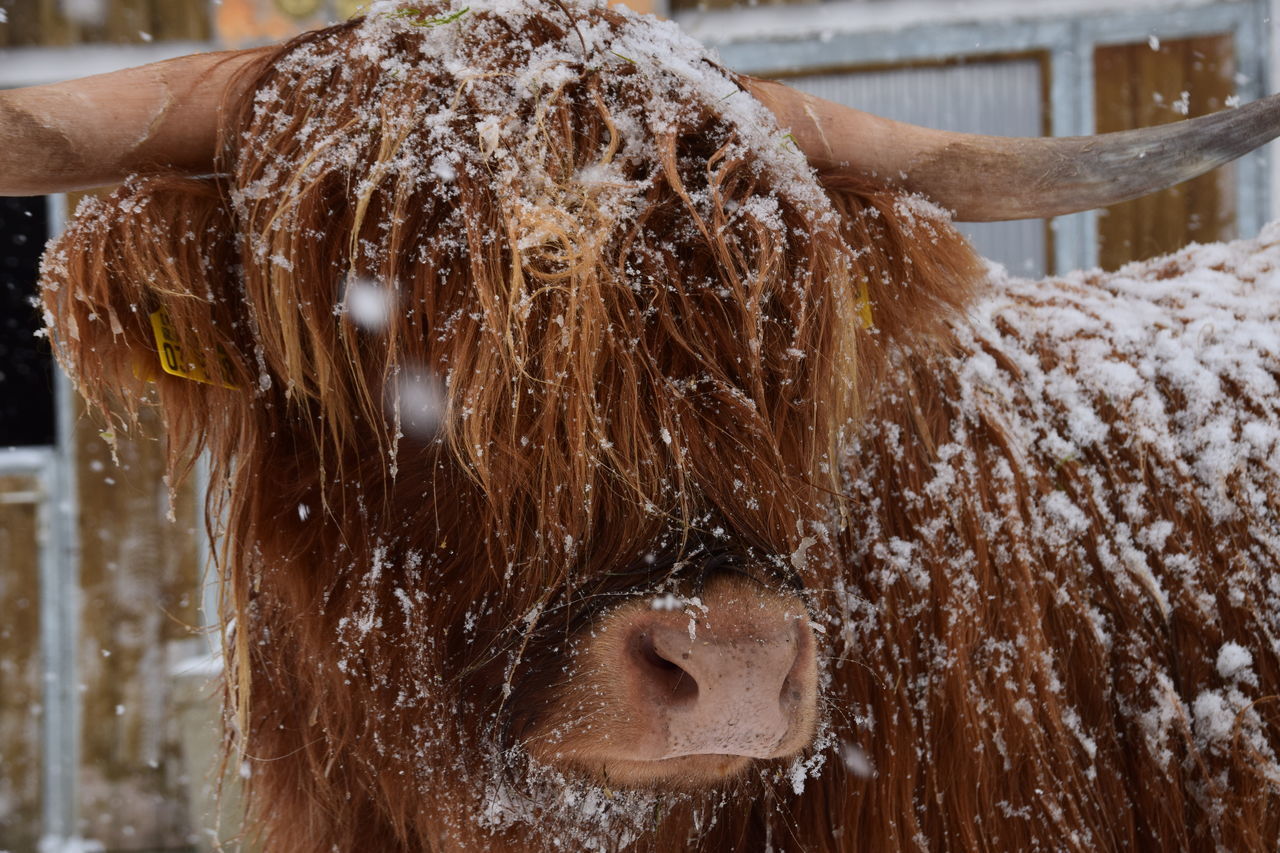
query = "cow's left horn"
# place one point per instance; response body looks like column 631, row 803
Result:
column 989, row 178
column 97, row 130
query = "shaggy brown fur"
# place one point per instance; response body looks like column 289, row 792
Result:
column 645, row 326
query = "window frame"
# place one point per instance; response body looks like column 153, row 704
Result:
column 777, row 40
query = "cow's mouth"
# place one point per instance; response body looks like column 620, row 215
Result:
column 693, row 772
column 685, row 693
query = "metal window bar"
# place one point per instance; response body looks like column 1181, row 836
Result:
column 60, row 612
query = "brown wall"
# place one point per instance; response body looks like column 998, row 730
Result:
column 20, row 693
column 42, row 22
column 139, row 587
column 139, row 581
column 1138, row 86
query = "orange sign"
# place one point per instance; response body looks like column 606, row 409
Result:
column 245, row 22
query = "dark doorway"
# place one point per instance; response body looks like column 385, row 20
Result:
column 26, row 365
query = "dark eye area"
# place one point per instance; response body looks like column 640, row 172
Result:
column 699, row 561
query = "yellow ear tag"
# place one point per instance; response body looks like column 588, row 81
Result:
column 172, row 358
column 864, row 306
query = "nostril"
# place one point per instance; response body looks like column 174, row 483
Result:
column 792, row 692
column 788, row 695
column 667, row 679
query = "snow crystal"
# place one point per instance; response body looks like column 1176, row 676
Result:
column 856, row 761
column 803, row 769
column 586, row 816
column 916, row 210
column 1214, row 717
column 443, row 169
column 666, row 602
column 416, row 401
column 800, row 556
column 1234, row 661
column 368, row 303
column 902, row 556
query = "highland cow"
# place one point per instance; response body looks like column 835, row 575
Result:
column 589, row 473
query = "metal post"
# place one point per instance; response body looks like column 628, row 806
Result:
column 1254, row 46
column 1270, row 21
column 59, row 613
column 1075, row 244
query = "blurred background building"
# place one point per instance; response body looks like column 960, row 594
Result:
column 108, row 705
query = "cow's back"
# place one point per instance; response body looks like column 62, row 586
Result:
column 1060, row 624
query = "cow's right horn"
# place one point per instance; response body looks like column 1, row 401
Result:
column 97, row 130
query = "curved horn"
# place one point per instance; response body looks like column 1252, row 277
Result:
column 97, row 130
column 990, row 178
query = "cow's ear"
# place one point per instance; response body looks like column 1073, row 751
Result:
column 916, row 271
column 140, row 298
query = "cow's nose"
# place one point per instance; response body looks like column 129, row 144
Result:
column 726, row 675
